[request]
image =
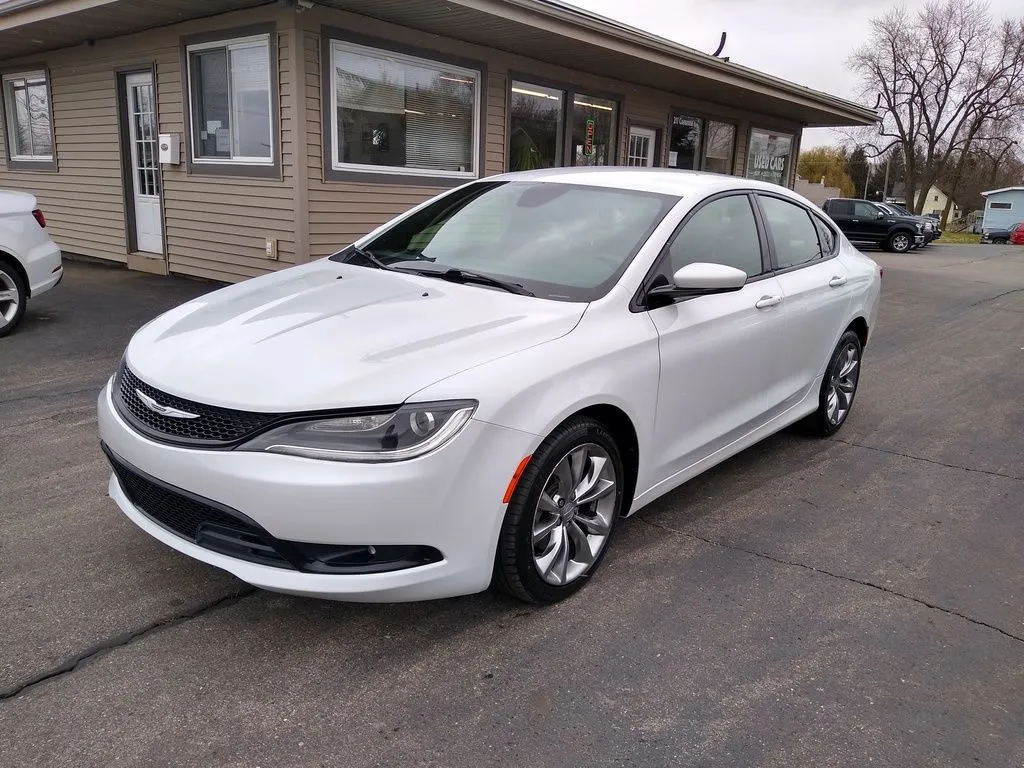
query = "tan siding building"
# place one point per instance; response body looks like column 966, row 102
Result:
column 301, row 126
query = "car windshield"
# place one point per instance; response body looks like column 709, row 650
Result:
column 569, row 242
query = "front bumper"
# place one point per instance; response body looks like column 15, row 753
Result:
column 450, row 500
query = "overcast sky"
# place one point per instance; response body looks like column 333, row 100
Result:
column 804, row 41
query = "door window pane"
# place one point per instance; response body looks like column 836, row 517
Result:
column 593, row 130
column 230, row 100
column 865, row 210
column 536, row 127
column 394, row 111
column 792, row 231
column 768, row 158
column 718, row 147
column 722, row 232
column 684, row 142
column 640, row 150
column 27, row 100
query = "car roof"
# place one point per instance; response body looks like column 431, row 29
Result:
column 670, row 181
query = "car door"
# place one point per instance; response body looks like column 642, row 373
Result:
column 841, row 212
column 817, row 295
column 716, row 351
column 868, row 222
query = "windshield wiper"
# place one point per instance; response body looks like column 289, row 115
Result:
column 370, row 258
column 455, row 275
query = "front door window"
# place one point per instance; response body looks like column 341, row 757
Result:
column 684, row 142
column 536, row 127
column 640, row 152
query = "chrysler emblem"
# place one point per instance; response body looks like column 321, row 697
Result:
column 163, row 410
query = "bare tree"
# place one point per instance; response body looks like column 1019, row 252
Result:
column 947, row 78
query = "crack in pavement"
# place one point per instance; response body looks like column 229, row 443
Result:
column 999, row 296
column 839, row 576
column 69, row 665
column 988, row 472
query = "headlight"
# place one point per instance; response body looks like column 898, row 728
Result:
column 411, row 431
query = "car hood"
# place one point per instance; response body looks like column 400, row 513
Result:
column 329, row 335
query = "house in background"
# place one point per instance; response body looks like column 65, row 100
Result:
column 934, row 202
column 817, row 193
column 1003, row 208
column 226, row 138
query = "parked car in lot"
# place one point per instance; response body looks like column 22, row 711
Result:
column 863, row 221
column 1001, row 236
column 932, row 227
column 479, row 390
column 30, row 262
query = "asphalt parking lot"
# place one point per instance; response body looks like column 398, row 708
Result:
column 845, row 602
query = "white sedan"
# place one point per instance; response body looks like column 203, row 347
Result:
column 478, row 391
column 30, row 262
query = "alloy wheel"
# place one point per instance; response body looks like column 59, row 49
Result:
column 10, row 298
column 843, row 383
column 901, row 243
column 574, row 515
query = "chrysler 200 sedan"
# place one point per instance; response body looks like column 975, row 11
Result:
column 480, row 390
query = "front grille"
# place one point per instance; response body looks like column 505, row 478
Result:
column 212, row 427
column 198, row 520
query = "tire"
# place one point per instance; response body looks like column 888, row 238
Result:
column 529, row 567
column 11, row 310
column 999, row 241
column 830, row 417
column 899, row 242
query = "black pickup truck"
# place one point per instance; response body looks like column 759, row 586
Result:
column 862, row 221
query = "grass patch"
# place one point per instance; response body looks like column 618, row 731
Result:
column 958, row 238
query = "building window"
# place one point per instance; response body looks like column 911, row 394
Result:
column 593, row 130
column 230, row 101
column 536, row 119
column 400, row 114
column 696, row 144
column 27, row 112
column 540, row 116
column 769, row 156
column 1000, row 206
column 684, row 142
column 719, row 146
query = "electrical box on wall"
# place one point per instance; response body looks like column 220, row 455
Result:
column 272, row 248
column 169, row 150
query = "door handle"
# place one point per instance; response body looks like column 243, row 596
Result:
column 856, row 220
column 836, row 281
column 766, row 302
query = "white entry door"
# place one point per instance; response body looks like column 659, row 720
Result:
column 142, row 138
column 641, row 147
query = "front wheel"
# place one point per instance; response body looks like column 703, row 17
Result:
column 900, row 242
column 562, row 514
column 13, row 298
column 838, row 388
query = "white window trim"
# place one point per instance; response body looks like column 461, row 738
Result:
column 393, row 170
column 230, row 44
column 10, row 116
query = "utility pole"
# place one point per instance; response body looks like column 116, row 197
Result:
column 885, row 184
column 867, row 177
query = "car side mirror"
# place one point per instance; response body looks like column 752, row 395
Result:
column 702, row 279
column 879, row 215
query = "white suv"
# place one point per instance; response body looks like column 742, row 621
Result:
column 30, row 262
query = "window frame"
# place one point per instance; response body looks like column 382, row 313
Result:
column 794, row 151
column 816, row 221
column 241, row 166
column 392, row 174
column 569, row 93
column 639, row 301
column 704, row 117
column 45, row 163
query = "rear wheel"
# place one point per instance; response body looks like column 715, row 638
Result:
column 13, row 298
column 838, row 388
column 900, row 242
column 562, row 514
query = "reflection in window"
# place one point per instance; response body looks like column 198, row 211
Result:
column 718, row 146
column 684, row 142
column 28, row 116
column 793, row 233
column 593, row 130
column 397, row 111
column 769, row 156
column 535, row 127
